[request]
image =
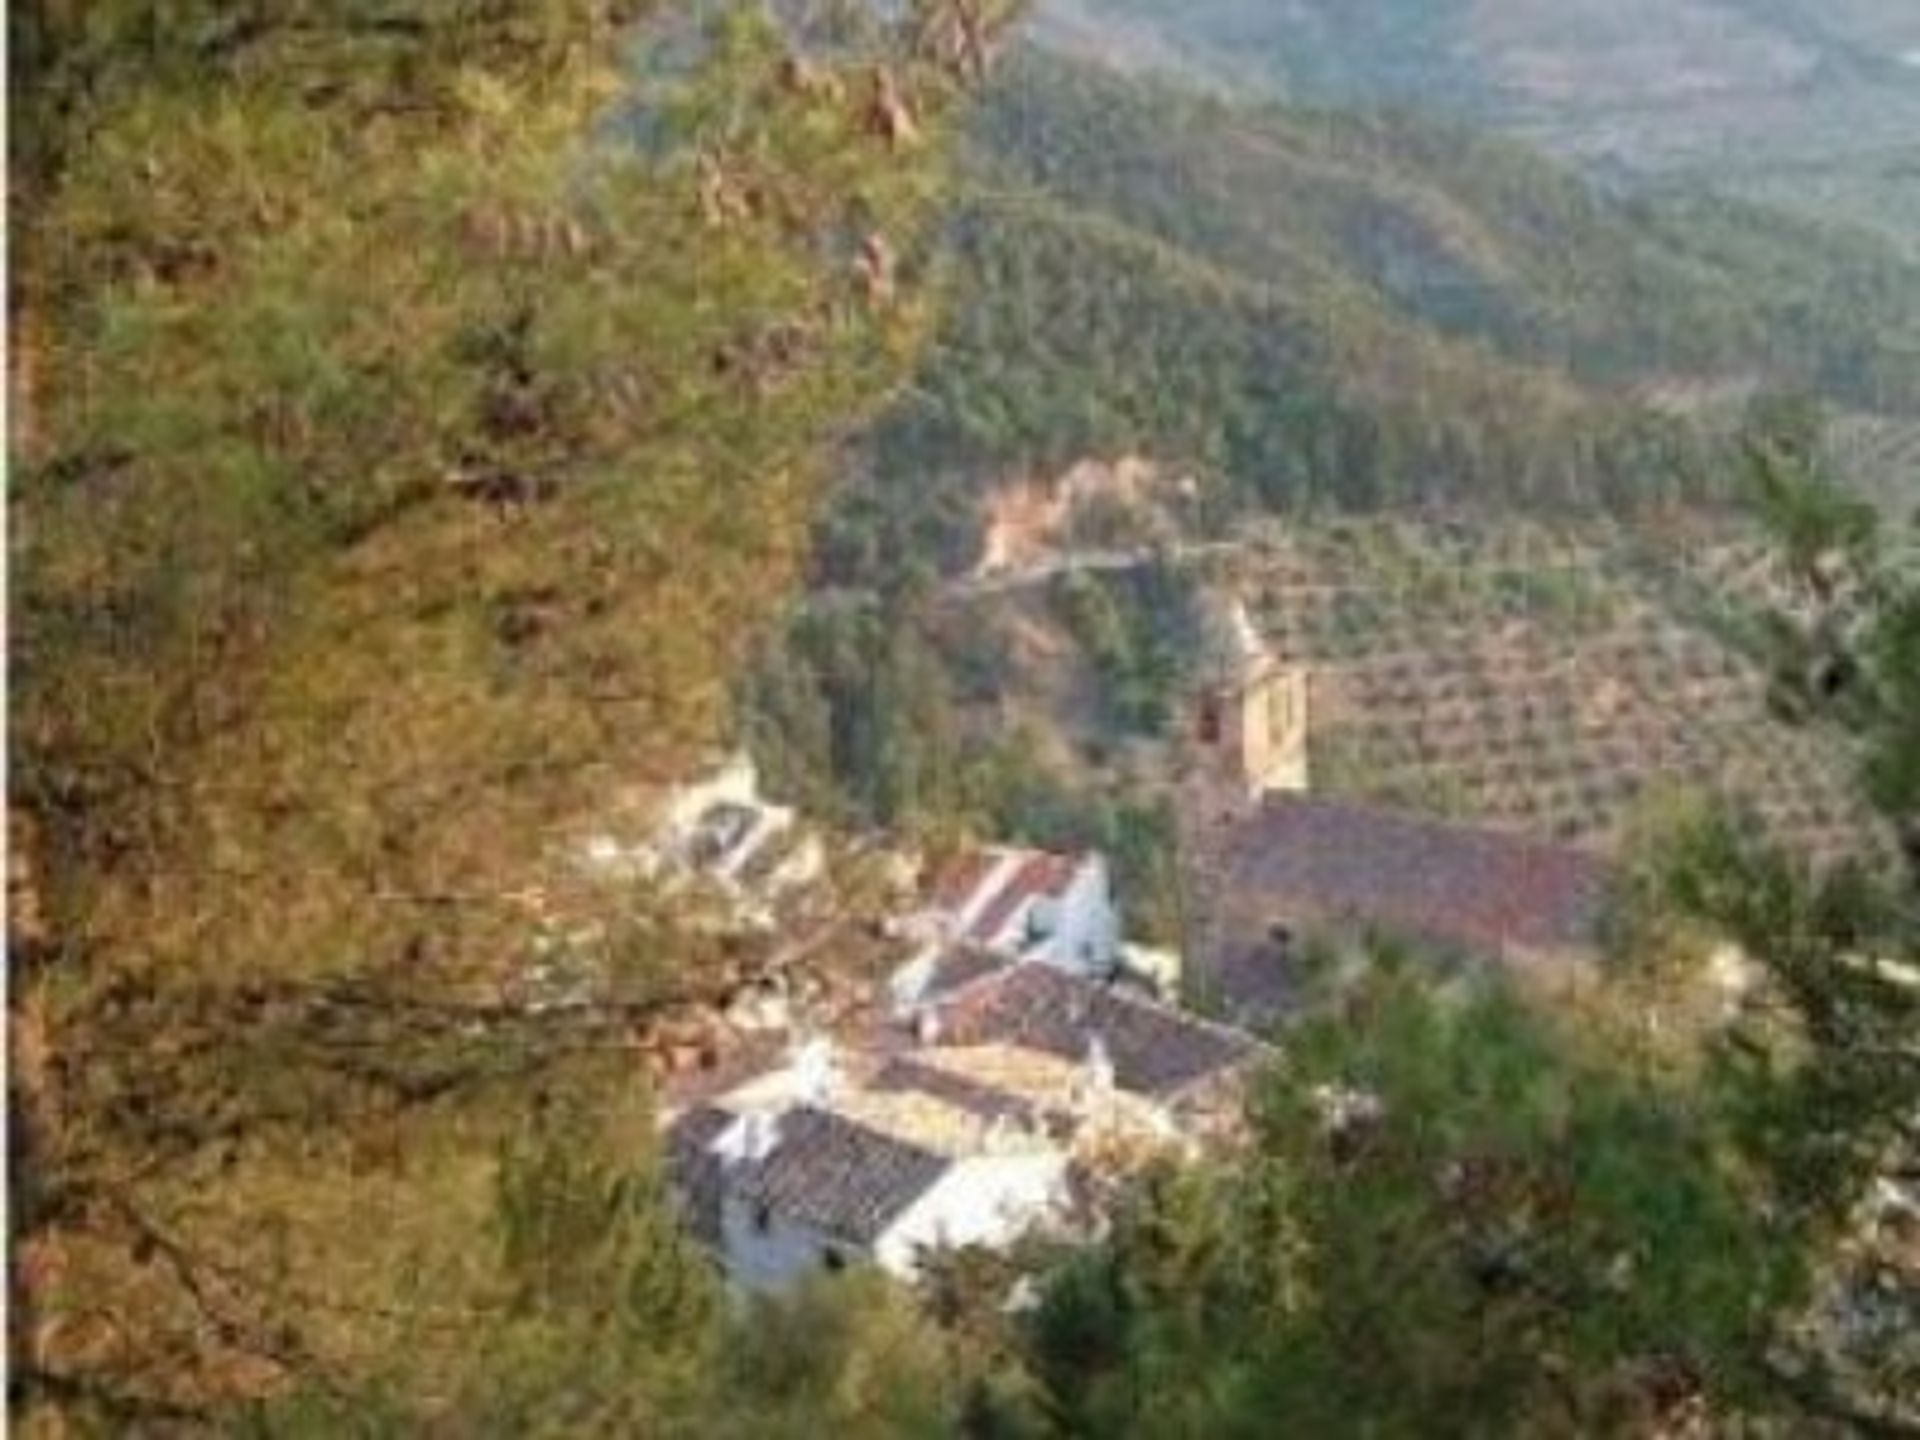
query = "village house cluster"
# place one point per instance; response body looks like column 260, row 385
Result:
column 995, row 1111
column 1019, row 1055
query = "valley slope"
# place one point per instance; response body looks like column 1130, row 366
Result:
column 1359, row 309
column 1813, row 103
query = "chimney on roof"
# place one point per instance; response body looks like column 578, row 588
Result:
column 750, row 1139
column 1099, row 1067
column 815, row 1073
column 926, row 1026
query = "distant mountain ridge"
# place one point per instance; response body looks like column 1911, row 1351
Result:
column 1811, row 103
column 1367, row 307
column 1467, row 232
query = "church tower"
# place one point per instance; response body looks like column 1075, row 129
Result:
column 1250, row 725
column 1246, row 738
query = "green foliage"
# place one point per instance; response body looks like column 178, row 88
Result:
column 614, row 1324
column 1821, row 1072
column 850, row 711
column 405, row 457
column 402, row 459
column 1501, row 1237
column 582, row 1233
column 1845, row 646
column 847, row 1355
column 612, row 1315
column 859, row 711
column 1471, row 234
column 1140, row 631
column 1808, row 108
column 1090, row 337
column 1356, row 309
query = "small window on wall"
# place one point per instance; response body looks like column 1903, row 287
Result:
column 832, row 1261
column 762, row 1219
column 1210, row 721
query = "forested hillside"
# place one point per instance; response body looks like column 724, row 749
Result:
column 1811, row 104
column 1470, row 233
column 1319, row 310
column 1362, row 308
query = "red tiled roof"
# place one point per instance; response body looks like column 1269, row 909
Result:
column 961, row 965
column 904, row 1073
column 1039, row 876
column 959, row 879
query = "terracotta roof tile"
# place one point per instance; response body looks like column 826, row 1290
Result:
column 903, row 1073
column 1040, row 876
column 961, row 965
column 957, row 881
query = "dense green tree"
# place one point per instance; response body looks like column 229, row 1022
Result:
column 1139, row 631
column 1451, row 1217
column 416, row 419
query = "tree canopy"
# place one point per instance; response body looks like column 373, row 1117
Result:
column 421, row 406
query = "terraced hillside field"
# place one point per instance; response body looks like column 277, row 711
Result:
column 1881, row 456
column 1545, row 679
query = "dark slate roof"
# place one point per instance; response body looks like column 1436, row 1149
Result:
column 1155, row 1050
column 1253, row 979
column 698, row 1174
column 835, row 1175
column 1324, row 860
column 960, row 965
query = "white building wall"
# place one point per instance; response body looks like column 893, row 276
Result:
column 907, row 987
column 983, row 1200
column 1082, row 924
column 807, row 864
column 1078, row 930
column 1153, row 966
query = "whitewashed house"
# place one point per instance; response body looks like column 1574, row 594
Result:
column 1008, row 904
column 1021, row 1085
column 783, row 1192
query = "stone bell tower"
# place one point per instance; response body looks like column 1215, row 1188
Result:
column 1249, row 728
column 1246, row 738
